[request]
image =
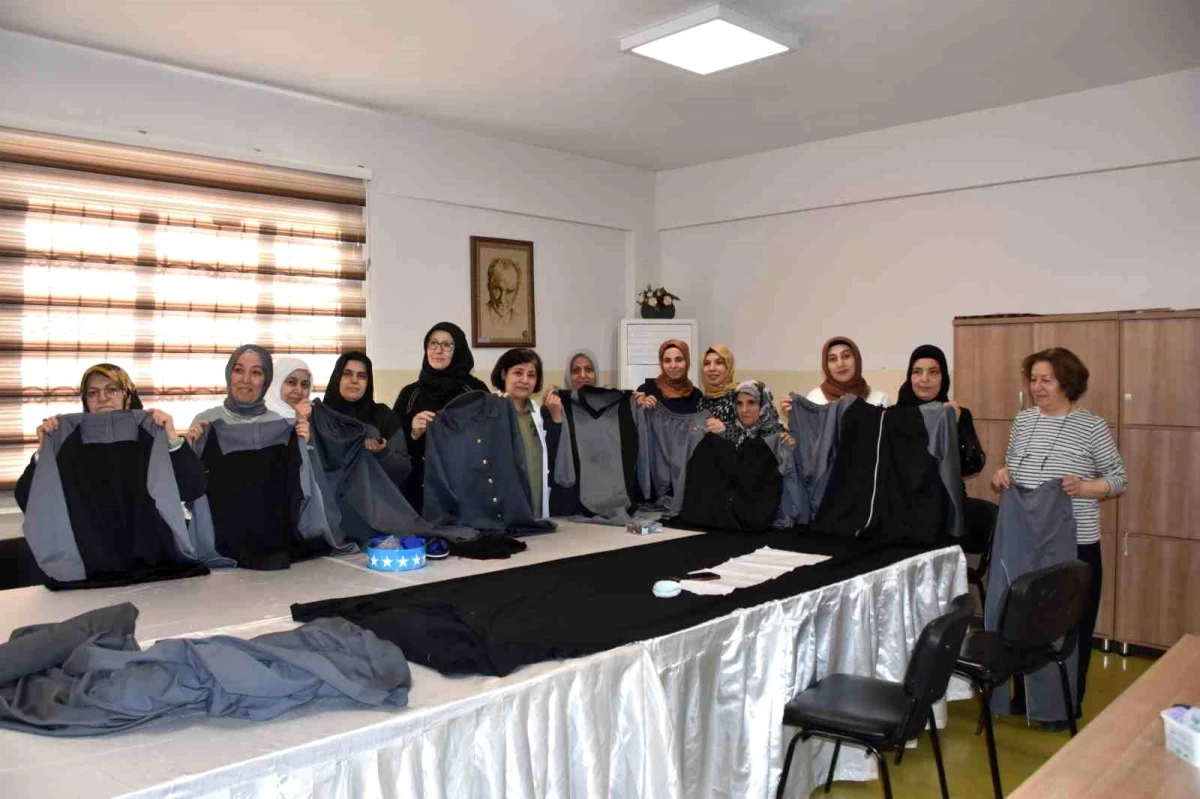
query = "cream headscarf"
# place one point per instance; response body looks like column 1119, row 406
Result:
column 283, row 369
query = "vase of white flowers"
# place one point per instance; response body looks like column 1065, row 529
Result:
column 657, row 303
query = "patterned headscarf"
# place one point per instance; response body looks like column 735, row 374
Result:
column 726, row 356
column 132, row 401
column 767, row 415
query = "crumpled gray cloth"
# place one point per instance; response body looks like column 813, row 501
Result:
column 106, row 683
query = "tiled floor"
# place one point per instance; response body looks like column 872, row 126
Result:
column 1021, row 749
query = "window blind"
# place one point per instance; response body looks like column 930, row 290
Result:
column 163, row 263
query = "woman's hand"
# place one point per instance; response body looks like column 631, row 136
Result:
column 787, row 439
column 303, row 431
column 715, row 426
column 1002, row 479
column 554, row 406
column 645, row 400
column 1074, row 486
column 785, row 404
column 421, row 422
column 46, row 428
column 303, row 409
column 957, row 410
column 164, row 420
column 375, row 444
column 195, row 431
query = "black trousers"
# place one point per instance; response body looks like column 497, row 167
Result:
column 1089, row 554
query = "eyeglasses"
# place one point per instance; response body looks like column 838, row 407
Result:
column 444, row 346
column 108, row 392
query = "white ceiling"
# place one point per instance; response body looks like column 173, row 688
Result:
column 549, row 72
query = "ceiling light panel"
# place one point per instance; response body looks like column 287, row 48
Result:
column 709, row 40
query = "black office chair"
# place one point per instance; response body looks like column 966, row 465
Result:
column 878, row 714
column 980, row 519
column 1041, row 608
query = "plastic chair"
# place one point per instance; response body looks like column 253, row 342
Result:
column 1038, row 626
column 881, row 715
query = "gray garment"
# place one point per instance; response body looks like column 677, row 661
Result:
column 816, row 429
column 229, row 417
column 1035, row 529
column 107, row 684
column 360, row 498
column 597, row 439
column 43, row 646
column 791, row 501
column 672, row 438
column 47, row 523
column 941, row 422
column 312, row 522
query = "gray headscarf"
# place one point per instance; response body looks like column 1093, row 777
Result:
column 768, row 417
column 568, row 385
column 258, row 407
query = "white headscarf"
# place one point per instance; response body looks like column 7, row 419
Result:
column 283, row 369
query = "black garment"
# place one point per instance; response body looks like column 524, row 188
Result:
column 731, row 487
column 18, row 566
column 1089, row 554
column 121, row 536
column 884, row 482
column 493, row 623
column 971, row 457
column 614, row 407
column 189, row 476
column 688, row 404
column 360, row 497
column 475, row 468
column 431, row 392
column 255, row 498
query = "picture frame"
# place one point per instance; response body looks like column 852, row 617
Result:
column 502, row 293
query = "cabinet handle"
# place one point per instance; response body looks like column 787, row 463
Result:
column 1125, row 539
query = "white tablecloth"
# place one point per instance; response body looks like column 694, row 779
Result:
column 694, row 713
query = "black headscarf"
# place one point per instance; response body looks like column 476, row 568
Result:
column 258, row 407
column 442, row 386
column 365, row 408
column 907, row 396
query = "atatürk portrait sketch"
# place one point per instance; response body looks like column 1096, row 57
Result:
column 502, row 297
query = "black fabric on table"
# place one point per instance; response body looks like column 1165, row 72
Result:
column 493, row 623
column 731, row 487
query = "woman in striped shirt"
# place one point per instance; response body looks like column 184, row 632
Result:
column 1057, row 440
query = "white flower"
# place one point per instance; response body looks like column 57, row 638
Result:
column 652, row 302
column 667, row 300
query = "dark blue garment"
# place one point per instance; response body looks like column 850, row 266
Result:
column 475, row 473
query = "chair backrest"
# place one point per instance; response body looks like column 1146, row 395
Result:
column 932, row 661
column 1043, row 606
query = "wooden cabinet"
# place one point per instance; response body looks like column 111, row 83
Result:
column 1096, row 344
column 1163, row 465
column 1158, row 590
column 1108, row 555
column 1160, row 371
column 987, row 368
column 1144, row 380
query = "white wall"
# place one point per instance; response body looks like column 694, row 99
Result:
column 1077, row 203
column 431, row 187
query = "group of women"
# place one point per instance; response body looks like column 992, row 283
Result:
column 1056, row 439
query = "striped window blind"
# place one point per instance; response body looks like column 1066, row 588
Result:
column 163, row 264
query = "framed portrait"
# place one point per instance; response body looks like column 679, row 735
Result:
column 502, row 298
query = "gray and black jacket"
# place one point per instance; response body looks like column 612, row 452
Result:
column 601, row 461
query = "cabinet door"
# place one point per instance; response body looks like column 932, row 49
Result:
column 1164, row 468
column 1096, row 345
column 1158, row 582
column 1160, row 372
column 987, row 368
column 993, row 436
column 1108, row 553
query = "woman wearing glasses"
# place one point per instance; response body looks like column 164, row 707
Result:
column 445, row 374
column 1058, row 440
column 105, row 388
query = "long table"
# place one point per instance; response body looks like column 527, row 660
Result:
column 692, row 713
column 1122, row 753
